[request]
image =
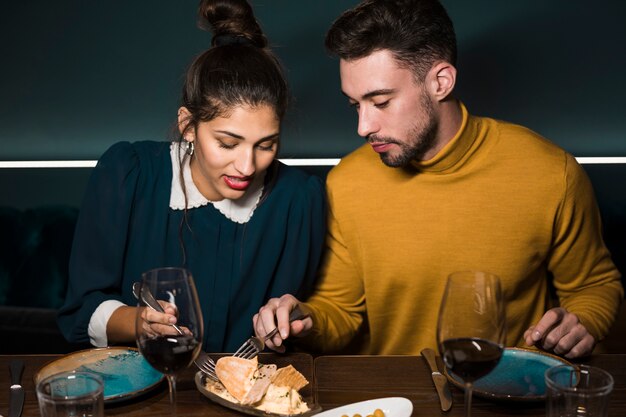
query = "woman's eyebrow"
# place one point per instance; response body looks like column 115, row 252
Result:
column 239, row 137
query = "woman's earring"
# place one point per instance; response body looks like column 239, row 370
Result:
column 190, row 148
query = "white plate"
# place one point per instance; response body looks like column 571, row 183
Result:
column 391, row 406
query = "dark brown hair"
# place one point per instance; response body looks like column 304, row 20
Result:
column 238, row 69
column 417, row 32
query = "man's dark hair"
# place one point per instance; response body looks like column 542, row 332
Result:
column 417, row 32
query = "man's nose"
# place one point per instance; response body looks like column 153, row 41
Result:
column 367, row 123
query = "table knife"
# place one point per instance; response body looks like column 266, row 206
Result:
column 440, row 381
column 16, row 399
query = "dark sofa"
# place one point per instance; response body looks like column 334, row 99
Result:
column 35, row 246
column 34, row 252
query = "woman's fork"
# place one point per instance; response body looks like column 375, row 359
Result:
column 254, row 345
column 206, row 364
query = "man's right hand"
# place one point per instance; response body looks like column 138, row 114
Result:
column 276, row 313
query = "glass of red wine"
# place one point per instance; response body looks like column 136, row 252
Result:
column 471, row 328
column 169, row 349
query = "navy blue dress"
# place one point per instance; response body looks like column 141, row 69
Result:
column 126, row 227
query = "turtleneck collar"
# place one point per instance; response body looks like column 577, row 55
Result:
column 455, row 152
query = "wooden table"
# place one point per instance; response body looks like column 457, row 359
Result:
column 336, row 380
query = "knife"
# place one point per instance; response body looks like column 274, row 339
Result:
column 440, row 381
column 16, row 399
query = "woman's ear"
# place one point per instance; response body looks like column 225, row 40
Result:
column 184, row 116
column 441, row 80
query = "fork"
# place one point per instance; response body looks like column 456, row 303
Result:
column 206, row 364
column 254, row 345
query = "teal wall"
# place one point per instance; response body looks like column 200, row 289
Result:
column 77, row 76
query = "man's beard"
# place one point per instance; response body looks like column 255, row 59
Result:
column 421, row 140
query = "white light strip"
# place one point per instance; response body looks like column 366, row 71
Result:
column 47, row 164
column 311, row 162
column 91, row 164
column 602, row 160
column 294, row 162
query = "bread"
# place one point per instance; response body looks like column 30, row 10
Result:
column 289, row 377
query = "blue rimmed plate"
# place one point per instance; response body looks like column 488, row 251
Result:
column 125, row 372
column 519, row 376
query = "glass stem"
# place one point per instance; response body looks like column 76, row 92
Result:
column 468, row 399
column 171, row 381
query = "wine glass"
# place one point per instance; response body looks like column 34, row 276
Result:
column 471, row 327
column 170, row 349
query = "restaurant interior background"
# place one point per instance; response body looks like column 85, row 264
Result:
column 77, row 76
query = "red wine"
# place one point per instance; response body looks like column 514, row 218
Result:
column 169, row 354
column 471, row 358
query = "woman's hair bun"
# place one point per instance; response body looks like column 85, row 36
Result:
column 233, row 18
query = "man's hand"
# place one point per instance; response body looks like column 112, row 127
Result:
column 562, row 333
column 276, row 313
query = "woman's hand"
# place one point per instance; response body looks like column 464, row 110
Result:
column 159, row 324
column 121, row 324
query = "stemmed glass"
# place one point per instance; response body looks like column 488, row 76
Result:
column 170, row 349
column 471, row 328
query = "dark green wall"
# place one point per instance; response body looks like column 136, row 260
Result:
column 77, row 76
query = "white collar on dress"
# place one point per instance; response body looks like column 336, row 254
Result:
column 239, row 211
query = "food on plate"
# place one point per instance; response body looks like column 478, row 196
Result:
column 244, row 379
column 265, row 387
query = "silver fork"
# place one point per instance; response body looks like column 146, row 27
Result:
column 254, row 345
column 206, row 364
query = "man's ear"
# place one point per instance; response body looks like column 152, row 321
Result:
column 441, row 80
column 184, row 116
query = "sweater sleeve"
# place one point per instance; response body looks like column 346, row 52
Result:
column 338, row 302
column 99, row 246
column 586, row 280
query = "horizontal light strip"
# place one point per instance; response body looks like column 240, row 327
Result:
column 47, row 164
column 602, row 160
column 311, row 162
column 91, row 164
column 294, row 162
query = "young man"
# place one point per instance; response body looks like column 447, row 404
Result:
column 453, row 192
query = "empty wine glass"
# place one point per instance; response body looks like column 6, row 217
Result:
column 170, row 349
column 471, row 327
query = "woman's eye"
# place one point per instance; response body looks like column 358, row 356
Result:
column 226, row 145
column 266, row 146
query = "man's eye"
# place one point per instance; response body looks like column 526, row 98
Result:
column 381, row 105
column 355, row 106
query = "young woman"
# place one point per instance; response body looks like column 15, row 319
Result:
column 215, row 200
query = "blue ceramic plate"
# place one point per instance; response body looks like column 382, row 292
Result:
column 125, row 372
column 519, row 376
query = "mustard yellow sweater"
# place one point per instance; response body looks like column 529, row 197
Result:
column 497, row 198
